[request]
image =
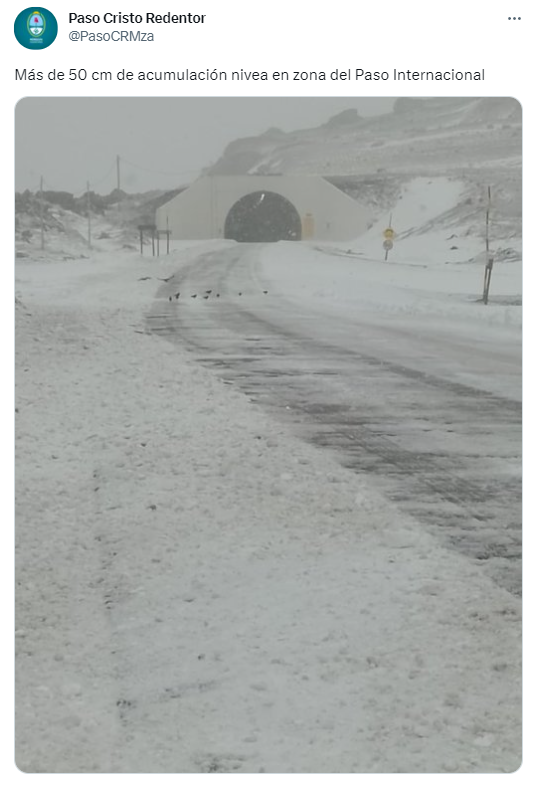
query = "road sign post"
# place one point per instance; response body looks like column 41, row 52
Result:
column 388, row 235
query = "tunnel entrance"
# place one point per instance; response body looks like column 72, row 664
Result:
column 262, row 217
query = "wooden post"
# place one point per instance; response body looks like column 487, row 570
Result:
column 488, row 260
column 153, row 233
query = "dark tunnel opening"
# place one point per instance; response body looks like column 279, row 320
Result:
column 262, row 217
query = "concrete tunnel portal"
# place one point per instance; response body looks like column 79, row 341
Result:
column 262, row 217
column 262, row 209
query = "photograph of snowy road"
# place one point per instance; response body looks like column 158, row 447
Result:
column 268, row 478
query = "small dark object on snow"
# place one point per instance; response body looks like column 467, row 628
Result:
column 218, row 295
column 166, row 280
column 454, row 248
column 205, row 296
column 170, row 299
column 265, row 291
column 145, row 278
column 239, row 294
column 177, row 295
column 208, row 291
column 151, row 507
column 194, row 296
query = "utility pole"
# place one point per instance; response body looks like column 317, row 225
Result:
column 41, row 214
column 88, row 202
column 118, row 173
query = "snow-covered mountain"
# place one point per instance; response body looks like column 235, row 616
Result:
column 475, row 140
column 418, row 135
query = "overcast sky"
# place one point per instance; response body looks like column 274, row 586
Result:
column 162, row 142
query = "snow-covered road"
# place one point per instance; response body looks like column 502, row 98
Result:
column 208, row 581
column 429, row 408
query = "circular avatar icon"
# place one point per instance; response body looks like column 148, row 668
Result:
column 36, row 28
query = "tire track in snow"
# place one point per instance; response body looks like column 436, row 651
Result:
column 446, row 452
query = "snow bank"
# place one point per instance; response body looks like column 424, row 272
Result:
column 333, row 280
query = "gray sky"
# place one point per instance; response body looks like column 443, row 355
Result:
column 163, row 142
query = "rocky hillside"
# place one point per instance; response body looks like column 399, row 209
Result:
column 114, row 216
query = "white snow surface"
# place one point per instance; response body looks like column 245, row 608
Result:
column 200, row 591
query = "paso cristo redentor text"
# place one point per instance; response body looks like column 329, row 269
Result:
column 138, row 19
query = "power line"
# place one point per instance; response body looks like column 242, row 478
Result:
column 81, row 191
column 98, row 182
column 52, row 187
column 114, row 165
